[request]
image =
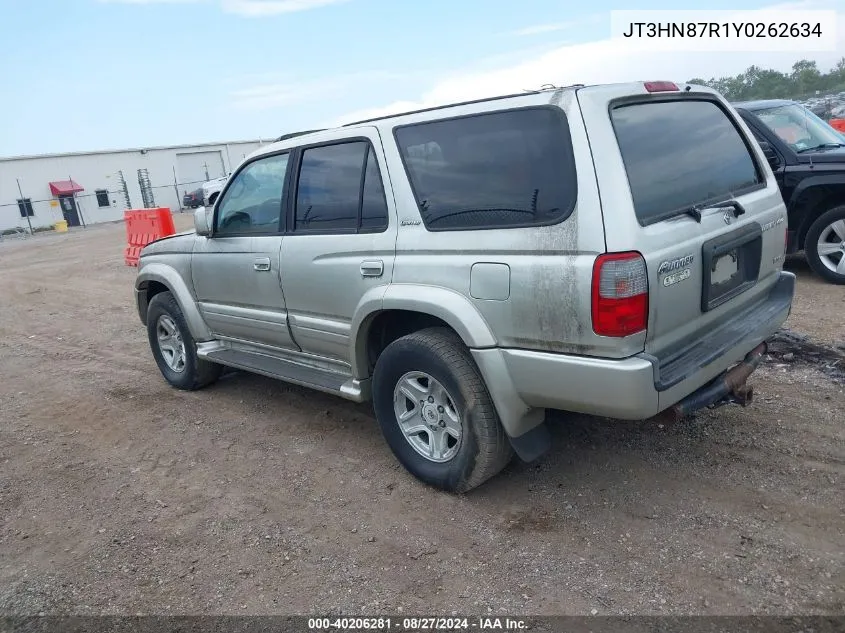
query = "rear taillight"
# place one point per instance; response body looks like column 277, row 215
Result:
column 620, row 294
column 661, row 86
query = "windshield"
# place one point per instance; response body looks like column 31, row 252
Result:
column 799, row 127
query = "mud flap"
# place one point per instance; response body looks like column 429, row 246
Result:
column 532, row 445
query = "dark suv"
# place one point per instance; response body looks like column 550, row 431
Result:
column 192, row 200
column 808, row 159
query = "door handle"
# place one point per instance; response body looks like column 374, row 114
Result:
column 372, row 268
column 262, row 263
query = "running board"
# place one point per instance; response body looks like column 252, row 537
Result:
column 317, row 378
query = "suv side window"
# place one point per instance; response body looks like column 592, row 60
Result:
column 340, row 190
column 373, row 202
column 506, row 169
column 253, row 201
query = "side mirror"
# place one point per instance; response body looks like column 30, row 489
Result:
column 770, row 154
column 202, row 225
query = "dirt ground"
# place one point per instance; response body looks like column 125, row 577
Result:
column 120, row 495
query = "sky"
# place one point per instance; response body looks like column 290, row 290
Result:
column 82, row 75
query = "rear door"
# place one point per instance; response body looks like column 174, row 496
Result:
column 683, row 183
column 339, row 250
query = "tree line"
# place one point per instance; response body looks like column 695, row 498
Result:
column 760, row 83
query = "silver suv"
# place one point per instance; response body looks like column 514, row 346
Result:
column 613, row 250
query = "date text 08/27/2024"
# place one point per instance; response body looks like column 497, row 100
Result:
column 416, row 624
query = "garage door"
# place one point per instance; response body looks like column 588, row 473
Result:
column 195, row 168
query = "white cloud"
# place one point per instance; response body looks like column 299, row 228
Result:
column 286, row 92
column 543, row 28
column 151, row 1
column 247, row 8
column 603, row 61
column 553, row 27
column 259, row 8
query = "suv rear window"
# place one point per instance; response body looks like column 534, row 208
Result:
column 494, row 170
column 681, row 153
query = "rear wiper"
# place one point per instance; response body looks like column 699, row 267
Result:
column 695, row 211
column 734, row 204
column 822, row 146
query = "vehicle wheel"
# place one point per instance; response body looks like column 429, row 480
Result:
column 825, row 245
column 173, row 347
column 435, row 412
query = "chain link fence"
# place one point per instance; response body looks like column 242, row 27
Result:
column 145, row 188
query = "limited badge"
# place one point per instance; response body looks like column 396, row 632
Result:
column 671, row 280
column 772, row 224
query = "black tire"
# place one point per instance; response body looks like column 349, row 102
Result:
column 812, row 240
column 484, row 450
column 196, row 373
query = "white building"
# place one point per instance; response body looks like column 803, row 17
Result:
column 86, row 187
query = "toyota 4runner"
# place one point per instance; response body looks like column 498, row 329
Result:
column 613, row 250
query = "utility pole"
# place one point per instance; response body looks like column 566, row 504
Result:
column 176, row 189
column 23, row 202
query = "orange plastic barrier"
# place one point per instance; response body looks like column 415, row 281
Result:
column 837, row 124
column 144, row 226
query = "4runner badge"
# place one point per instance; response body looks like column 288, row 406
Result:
column 670, row 265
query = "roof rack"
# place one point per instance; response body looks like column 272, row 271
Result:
column 441, row 107
column 554, row 88
column 285, row 137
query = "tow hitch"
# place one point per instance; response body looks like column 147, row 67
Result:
column 731, row 387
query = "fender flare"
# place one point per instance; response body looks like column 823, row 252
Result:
column 447, row 305
column 815, row 181
column 807, row 218
column 523, row 424
column 170, row 278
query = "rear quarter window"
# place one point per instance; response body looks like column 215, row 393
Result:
column 504, row 169
column 681, row 153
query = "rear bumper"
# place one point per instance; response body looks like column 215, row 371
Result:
column 633, row 388
column 745, row 329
